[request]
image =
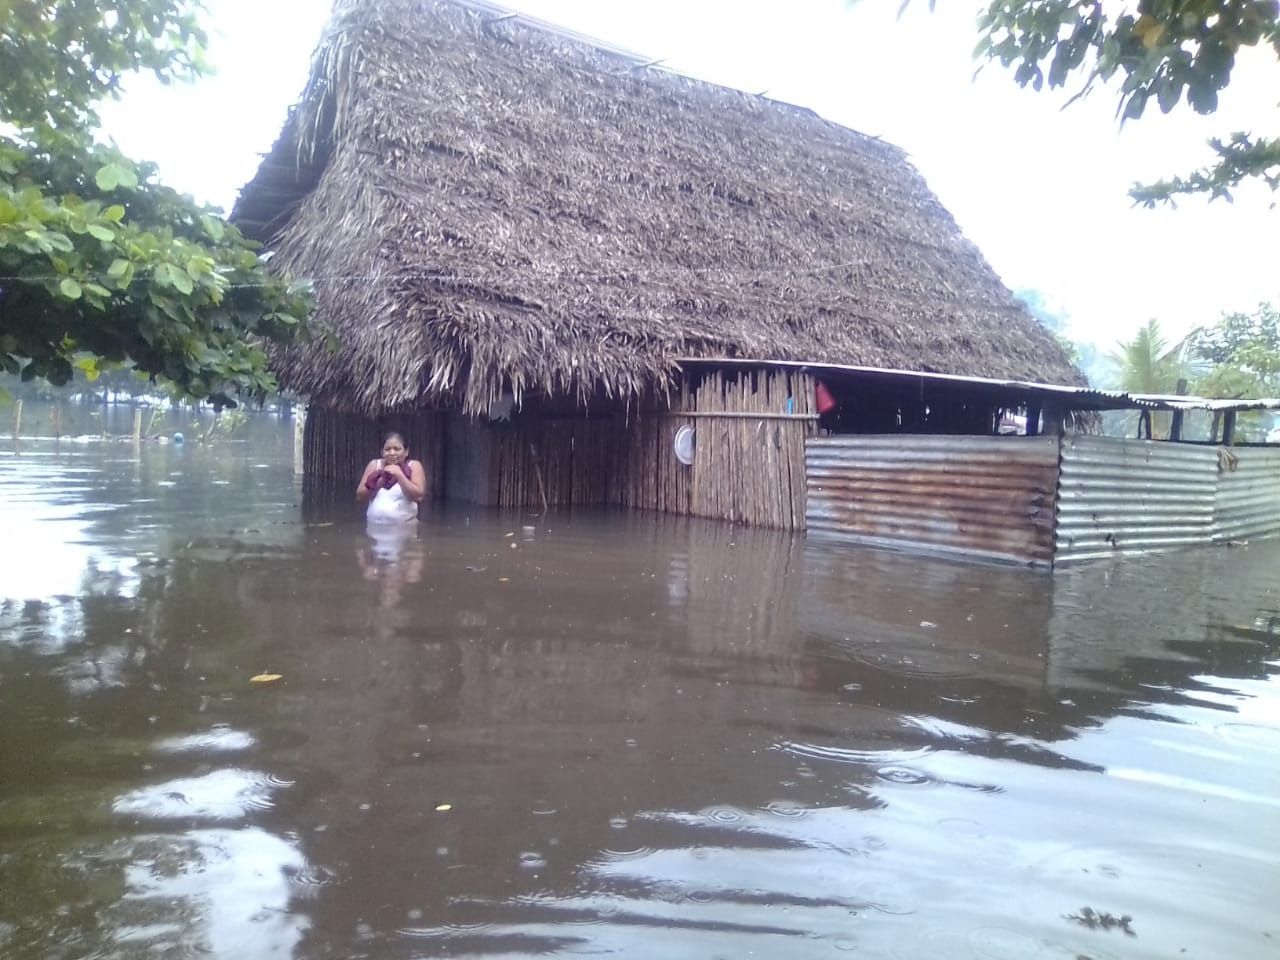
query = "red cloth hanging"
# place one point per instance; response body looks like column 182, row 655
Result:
column 823, row 399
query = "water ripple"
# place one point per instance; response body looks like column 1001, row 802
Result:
column 1250, row 734
column 723, row 814
column 906, row 775
column 219, row 795
column 816, row 751
column 220, row 738
column 787, row 808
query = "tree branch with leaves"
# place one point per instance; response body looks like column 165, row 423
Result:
column 99, row 262
column 1172, row 52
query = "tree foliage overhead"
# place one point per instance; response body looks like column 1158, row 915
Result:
column 1169, row 52
column 1243, row 351
column 60, row 58
column 98, row 261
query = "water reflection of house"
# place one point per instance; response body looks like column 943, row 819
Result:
column 546, row 259
column 926, row 619
column 1199, row 613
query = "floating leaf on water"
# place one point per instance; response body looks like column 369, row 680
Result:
column 443, row 807
column 504, row 579
column 266, row 678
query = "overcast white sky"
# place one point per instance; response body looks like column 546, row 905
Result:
column 1042, row 191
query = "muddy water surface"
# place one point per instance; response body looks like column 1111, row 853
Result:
column 606, row 734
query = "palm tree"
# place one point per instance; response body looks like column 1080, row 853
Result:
column 1148, row 364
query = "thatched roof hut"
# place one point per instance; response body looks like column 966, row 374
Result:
column 487, row 204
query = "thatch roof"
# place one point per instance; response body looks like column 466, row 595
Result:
column 486, row 203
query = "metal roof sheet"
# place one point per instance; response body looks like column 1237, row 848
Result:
column 1071, row 398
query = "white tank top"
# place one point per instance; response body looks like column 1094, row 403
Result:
column 392, row 504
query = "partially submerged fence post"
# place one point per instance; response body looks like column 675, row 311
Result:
column 137, row 425
column 1175, row 425
column 299, row 432
column 17, row 419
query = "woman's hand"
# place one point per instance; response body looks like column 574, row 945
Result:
column 414, row 483
column 363, row 490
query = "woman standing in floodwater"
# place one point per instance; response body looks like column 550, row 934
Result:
column 393, row 485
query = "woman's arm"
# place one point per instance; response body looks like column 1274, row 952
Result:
column 414, row 489
column 363, row 493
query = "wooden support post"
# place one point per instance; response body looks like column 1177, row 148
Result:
column 1055, row 421
column 137, row 426
column 57, row 421
column 17, row 419
column 1175, row 424
column 1033, row 419
column 299, row 431
column 1229, row 428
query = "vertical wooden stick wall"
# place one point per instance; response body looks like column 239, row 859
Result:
column 750, row 429
column 748, row 467
column 338, row 445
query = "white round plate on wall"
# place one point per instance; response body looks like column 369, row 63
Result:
column 684, row 445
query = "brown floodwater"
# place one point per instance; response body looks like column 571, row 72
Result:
column 606, row 734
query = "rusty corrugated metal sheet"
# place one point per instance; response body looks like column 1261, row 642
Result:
column 983, row 497
column 1123, row 497
column 1248, row 501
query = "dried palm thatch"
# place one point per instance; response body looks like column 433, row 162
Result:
column 487, row 204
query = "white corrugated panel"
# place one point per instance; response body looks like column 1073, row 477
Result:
column 983, row 497
column 1124, row 497
column 1248, row 502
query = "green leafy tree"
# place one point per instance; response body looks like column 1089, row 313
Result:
column 1166, row 52
column 101, row 265
column 1243, row 350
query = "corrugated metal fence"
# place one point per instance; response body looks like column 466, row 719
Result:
column 1123, row 497
column 984, row 497
column 1132, row 496
column 1248, row 500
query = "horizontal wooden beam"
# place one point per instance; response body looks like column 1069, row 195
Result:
column 739, row 415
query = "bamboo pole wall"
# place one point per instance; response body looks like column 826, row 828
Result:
column 556, row 461
column 750, row 428
column 336, row 446
column 650, row 477
column 748, row 469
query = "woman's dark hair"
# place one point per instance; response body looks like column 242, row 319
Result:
column 395, row 435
